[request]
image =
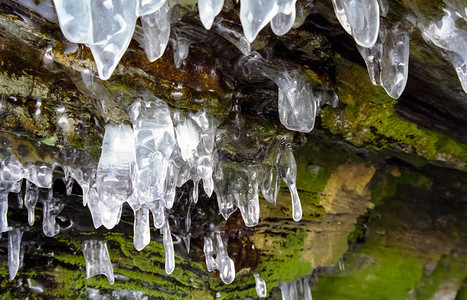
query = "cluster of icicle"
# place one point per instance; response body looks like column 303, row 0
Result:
column 385, row 47
column 142, row 164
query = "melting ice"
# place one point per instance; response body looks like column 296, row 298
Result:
column 97, row 259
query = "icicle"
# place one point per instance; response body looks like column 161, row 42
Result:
column 449, row 34
column 31, row 195
column 395, row 61
column 227, row 29
column 14, row 251
column 155, row 142
column 248, row 201
column 141, row 235
column 4, row 212
column 383, row 7
column 271, row 183
column 255, row 15
column 215, row 246
column 156, row 30
column 282, row 23
column 181, row 48
column 288, row 169
column 97, row 259
column 261, row 290
column 146, row 7
column 158, row 213
column 50, row 210
column 106, row 26
column 360, row 18
column 114, row 178
column 298, row 289
column 169, row 248
column 208, row 10
column 372, row 57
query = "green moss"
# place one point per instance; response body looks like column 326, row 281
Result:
column 366, row 117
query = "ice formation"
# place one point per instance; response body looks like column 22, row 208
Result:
column 217, row 257
column 14, row 251
column 97, row 259
column 261, row 290
column 297, row 289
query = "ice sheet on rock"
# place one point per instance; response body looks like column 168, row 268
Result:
column 256, row 14
column 97, row 259
column 217, row 257
column 360, row 18
column 156, row 31
column 297, row 289
column 141, row 232
column 288, row 170
column 169, row 248
column 50, row 210
column 115, row 175
column 31, row 195
column 261, row 290
column 208, row 10
column 155, row 142
column 106, row 26
column 14, row 251
column 282, row 23
column 450, row 34
column 395, row 61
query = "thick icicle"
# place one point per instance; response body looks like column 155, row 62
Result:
column 50, row 210
column 256, row 14
column 97, row 259
column 31, row 195
column 228, row 30
column 114, row 178
column 288, row 169
column 261, row 290
column 395, row 61
column 156, row 30
column 360, row 18
column 208, row 10
column 450, row 34
column 169, row 248
column 106, row 26
column 154, row 141
column 142, row 234
column 282, row 23
column 297, row 289
column 248, row 202
column 14, row 251
column 215, row 246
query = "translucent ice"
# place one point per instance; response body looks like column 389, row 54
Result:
column 360, row 18
column 282, row 23
column 97, row 259
column 106, row 26
column 4, row 212
column 169, row 248
column 296, row 101
column 14, row 251
column 248, row 202
column 256, row 14
column 229, row 31
column 261, row 290
column 208, row 10
column 288, row 169
column 270, row 183
column 114, row 178
column 395, row 61
column 50, row 210
column 146, row 7
column 217, row 257
column 156, row 30
column 372, row 57
column 141, row 235
column 31, row 195
column 154, row 141
column 450, row 34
